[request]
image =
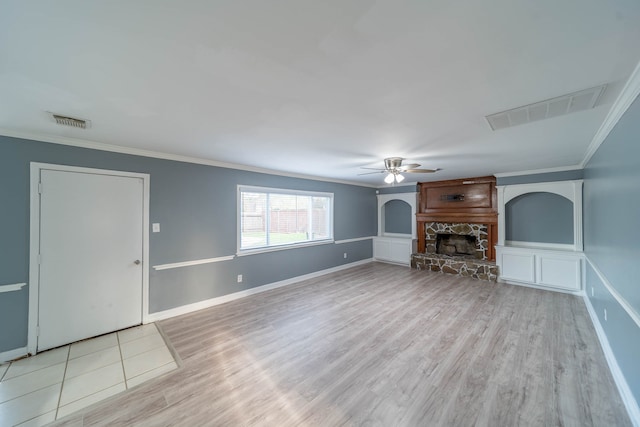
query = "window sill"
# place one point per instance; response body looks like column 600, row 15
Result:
column 283, row 247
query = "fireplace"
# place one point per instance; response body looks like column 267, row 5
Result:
column 457, row 227
column 456, row 245
column 461, row 206
column 456, row 248
column 464, row 240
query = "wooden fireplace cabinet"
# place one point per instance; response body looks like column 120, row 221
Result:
column 469, row 200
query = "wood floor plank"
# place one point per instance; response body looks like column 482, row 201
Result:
column 379, row 345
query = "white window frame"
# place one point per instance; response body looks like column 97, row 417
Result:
column 279, row 247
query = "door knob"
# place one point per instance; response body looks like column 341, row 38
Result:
column 136, row 262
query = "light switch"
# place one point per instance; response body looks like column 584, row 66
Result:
column 155, row 227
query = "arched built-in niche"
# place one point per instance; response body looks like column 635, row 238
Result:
column 570, row 190
column 545, row 264
column 397, row 217
column 390, row 246
column 539, row 217
column 399, row 200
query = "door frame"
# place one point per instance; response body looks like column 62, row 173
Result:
column 34, row 240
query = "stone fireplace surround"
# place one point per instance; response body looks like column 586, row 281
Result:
column 476, row 266
column 466, row 207
column 479, row 231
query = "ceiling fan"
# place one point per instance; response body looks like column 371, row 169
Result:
column 394, row 168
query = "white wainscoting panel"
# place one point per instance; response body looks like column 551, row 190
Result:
column 541, row 267
column 559, row 271
column 397, row 250
column 518, row 266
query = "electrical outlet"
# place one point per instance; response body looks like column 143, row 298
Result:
column 155, row 227
column 605, row 314
column 239, row 278
column 345, row 255
column 592, row 291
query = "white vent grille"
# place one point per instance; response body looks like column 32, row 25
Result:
column 71, row 121
column 554, row 107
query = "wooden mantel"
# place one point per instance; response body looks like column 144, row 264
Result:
column 469, row 200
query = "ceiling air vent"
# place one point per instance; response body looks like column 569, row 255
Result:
column 554, row 107
column 71, row 121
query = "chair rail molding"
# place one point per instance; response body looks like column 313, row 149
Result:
column 12, row 287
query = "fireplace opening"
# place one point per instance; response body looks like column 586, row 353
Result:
column 456, row 245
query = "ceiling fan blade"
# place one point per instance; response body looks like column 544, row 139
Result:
column 408, row 166
column 373, row 169
column 421, row 170
column 369, row 173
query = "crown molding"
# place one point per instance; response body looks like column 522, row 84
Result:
column 94, row 145
column 629, row 93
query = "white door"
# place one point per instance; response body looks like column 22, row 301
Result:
column 91, row 240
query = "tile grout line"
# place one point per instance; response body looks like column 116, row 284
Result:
column 124, row 374
column 62, row 384
column 4, row 374
column 64, row 374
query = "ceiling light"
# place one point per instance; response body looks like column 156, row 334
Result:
column 389, row 178
column 399, row 178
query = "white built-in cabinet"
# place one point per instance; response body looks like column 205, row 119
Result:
column 394, row 247
column 544, row 265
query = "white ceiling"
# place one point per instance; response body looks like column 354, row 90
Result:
column 315, row 87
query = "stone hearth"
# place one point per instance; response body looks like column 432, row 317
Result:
column 465, row 267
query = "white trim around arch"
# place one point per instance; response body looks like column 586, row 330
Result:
column 571, row 190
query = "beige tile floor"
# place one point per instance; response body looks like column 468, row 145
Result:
column 58, row 382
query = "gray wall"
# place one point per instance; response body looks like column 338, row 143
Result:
column 397, row 217
column 539, row 217
column 540, row 177
column 396, row 189
column 612, row 238
column 196, row 207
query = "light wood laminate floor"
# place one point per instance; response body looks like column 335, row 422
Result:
column 379, row 345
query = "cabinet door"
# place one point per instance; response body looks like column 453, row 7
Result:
column 559, row 272
column 520, row 267
column 401, row 251
column 381, row 249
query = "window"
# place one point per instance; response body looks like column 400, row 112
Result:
column 271, row 218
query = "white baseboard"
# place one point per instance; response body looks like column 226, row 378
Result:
column 13, row 354
column 386, row 261
column 623, row 388
column 200, row 305
column 541, row 287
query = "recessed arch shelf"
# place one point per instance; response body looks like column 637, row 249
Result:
column 395, row 247
column 542, row 265
column 571, row 190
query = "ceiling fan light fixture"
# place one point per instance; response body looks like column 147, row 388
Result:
column 394, row 169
